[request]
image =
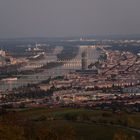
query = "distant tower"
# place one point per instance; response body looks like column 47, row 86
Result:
column 36, row 45
column 84, row 60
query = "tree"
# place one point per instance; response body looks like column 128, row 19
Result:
column 122, row 136
column 11, row 132
column 45, row 133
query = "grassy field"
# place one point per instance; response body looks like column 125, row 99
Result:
column 95, row 115
column 85, row 131
column 82, row 124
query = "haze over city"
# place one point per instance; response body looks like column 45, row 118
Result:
column 69, row 70
column 62, row 18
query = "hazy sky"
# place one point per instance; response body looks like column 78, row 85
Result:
column 56, row 18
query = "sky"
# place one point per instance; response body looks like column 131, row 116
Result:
column 64, row 18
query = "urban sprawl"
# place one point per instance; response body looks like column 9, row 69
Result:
column 110, row 82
